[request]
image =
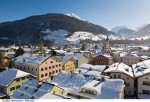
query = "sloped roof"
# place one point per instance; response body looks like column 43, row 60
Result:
column 27, row 90
column 95, row 70
column 141, row 68
column 107, row 89
column 110, row 88
column 120, row 67
column 7, row 76
column 34, row 59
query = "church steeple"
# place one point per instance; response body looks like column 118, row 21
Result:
column 107, row 39
column 106, row 47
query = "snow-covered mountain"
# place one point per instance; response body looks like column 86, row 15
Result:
column 123, row 31
column 74, row 15
column 141, row 27
column 61, row 36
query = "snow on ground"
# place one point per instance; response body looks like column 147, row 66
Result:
column 57, row 36
column 140, row 38
column 87, row 35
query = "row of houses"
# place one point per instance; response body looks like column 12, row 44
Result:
column 17, row 84
column 136, row 77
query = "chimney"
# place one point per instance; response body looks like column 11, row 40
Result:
column 71, row 74
column 79, row 71
column 102, row 78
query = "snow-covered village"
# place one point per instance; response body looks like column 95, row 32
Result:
column 74, row 50
column 89, row 71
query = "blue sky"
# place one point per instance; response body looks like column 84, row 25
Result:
column 107, row 13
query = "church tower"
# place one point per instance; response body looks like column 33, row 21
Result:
column 106, row 47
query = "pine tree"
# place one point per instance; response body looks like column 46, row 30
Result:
column 19, row 52
column 83, row 47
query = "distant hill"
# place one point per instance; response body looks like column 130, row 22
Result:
column 143, row 31
column 28, row 30
column 123, row 31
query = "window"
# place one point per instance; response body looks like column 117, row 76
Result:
column 129, row 92
column 53, row 66
column 59, row 64
column 53, row 72
column 45, row 68
column 28, row 68
column 45, row 74
column 36, row 69
column 17, row 86
column 49, row 73
column 56, row 65
column 145, row 91
column 17, row 80
column 42, row 69
column 51, row 61
column 2, row 89
column 45, row 62
column 114, row 75
column 56, row 71
column 42, row 75
column 50, row 67
column 59, row 70
column 146, row 83
column 119, row 76
column 24, row 67
column 22, row 94
column 23, row 78
column 32, row 68
column 12, row 88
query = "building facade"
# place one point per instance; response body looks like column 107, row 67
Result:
column 102, row 60
column 43, row 67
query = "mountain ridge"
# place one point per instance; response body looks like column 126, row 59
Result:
column 29, row 29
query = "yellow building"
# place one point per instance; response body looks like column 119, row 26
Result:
column 12, row 79
column 68, row 63
column 34, row 89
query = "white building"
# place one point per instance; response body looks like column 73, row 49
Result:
column 142, row 73
column 122, row 71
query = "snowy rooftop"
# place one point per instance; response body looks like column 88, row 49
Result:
column 7, row 76
column 120, row 67
column 76, row 56
column 32, row 89
column 91, row 70
column 60, row 51
column 52, row 96
column 63, row 59
column 69, row 82
column 4, row 48
column 128, row 55
column 110, row 88
column 103, row 54
column 141, row 68
column 143, row 53
column 107, row 89
column 31, row 59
